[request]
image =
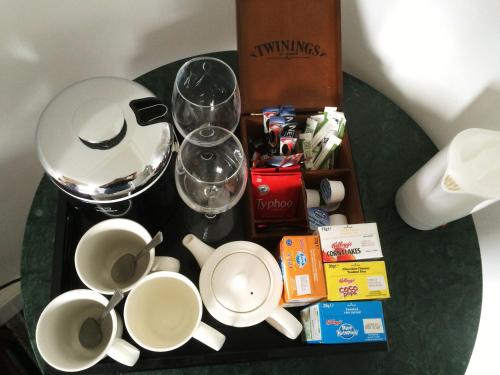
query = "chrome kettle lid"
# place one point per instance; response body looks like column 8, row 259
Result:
column 104, row 139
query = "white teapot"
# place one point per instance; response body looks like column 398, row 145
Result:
column 241, row 285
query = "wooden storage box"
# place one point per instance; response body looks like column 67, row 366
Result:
column 289, row 52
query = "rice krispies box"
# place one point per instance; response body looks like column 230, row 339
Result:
column 343, row 322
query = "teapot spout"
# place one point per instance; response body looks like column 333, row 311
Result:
column 199, row 249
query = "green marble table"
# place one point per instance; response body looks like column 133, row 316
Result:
column 434, row 276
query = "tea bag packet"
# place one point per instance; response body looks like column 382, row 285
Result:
column 283, row 161
column 322, row 135
column 305, row 142
column 288, row 139
column 267, row 113
column 276, row 124
column 287, row 111
column 312, row 123
column 325, row 152
column 282, row 133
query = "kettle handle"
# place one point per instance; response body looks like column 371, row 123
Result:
column 149, row 111
column 285, row 322
column 484, row 204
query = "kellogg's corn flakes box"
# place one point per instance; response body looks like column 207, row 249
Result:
column 341, row 243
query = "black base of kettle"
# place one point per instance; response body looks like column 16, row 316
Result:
column 156, row 203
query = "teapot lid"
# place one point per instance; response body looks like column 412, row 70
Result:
column 241, row 284
column 104, row 139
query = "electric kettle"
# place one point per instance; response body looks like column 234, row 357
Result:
column 104, row 141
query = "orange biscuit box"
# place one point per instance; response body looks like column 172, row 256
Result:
column 302, row 269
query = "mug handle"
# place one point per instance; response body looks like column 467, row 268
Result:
column 161, row 263
column 123, row 352
column 285, row 322
column 209, row 336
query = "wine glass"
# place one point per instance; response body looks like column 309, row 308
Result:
column 205, row 93
column 211, row 176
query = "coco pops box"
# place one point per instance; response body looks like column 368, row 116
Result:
column 348, row 281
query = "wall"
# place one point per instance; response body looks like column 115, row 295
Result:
column 45, row 46
column 440, row 61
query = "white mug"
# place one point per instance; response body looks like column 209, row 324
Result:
column 104, row 243
column 57, row 332
column 163, row 311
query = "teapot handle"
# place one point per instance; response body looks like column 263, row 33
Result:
column 285, row 322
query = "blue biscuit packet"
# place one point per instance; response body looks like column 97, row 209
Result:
column 343, row 322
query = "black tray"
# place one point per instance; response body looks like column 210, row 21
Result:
column 260, row 342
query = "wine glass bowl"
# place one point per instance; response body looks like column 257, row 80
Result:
column 211, row 172
column 205, row 92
